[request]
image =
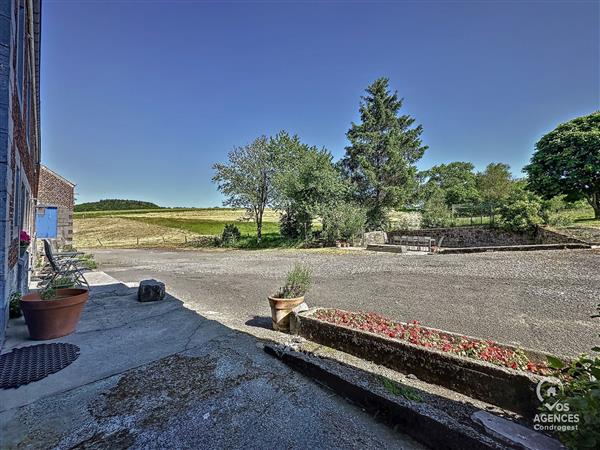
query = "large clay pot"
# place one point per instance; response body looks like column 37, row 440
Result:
column 280, row 311
column 49, row 319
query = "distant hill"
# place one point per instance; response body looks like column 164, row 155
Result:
column 114, row 204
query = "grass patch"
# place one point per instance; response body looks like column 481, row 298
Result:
column 87, row 261
column 400, row 391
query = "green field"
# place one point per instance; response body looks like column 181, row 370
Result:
column 207, row 226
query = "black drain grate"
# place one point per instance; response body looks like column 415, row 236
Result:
column 27, row 364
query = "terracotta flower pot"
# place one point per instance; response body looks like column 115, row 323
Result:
column 49, row 319
column 280, row 311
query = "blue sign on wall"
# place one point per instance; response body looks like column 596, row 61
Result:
column 46, row 222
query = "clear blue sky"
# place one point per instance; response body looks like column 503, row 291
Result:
column 140, row 98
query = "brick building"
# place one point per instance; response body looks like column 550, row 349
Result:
column 19, row 140
column 54, row 211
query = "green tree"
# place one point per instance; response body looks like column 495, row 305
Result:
column 457, row 181
column 495, row 184
column 247, row 180
column 380, row 162
column 567, row 161
column 306, row 183
column 435, row 210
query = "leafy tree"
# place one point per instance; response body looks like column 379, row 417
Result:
column 457, row 181
column 567, row 161
column 114, row 204
column 247, row 180
column 306, row 184
column 380, row 162
column 495, row 183
column 343, row 221
column 522, row 210
column 435, row 210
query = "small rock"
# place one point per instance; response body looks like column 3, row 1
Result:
column 411, row 376
column 206, row 416
column 298, row 339
column 151, row 291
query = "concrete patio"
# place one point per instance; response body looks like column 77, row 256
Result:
column 159, row 375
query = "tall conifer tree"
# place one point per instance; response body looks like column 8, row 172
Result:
column 380, row 162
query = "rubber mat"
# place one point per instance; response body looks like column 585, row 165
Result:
column 27, row 364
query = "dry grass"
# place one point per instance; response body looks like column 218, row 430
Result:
column 121, row 232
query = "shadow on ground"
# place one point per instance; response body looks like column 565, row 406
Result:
column 259, row 322
column 158, row 375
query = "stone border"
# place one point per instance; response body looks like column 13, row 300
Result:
column 423, row 422
column 510, row 389
column 515, row 248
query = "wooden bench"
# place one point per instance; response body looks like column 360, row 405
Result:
column 418, row 243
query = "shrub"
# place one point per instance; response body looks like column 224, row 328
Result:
column 521, row 214
column 297, row 283
column 231, row 234
column 343, row 221
column 15, row 306
column 87, row 261
column 295, row 225
column 581, row 391
column 435, row 211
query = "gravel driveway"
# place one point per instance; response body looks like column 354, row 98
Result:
column 542, row 299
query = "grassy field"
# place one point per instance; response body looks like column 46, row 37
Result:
column 169, row 227
column 185, row 226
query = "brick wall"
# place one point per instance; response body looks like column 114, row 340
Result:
column 55, row 190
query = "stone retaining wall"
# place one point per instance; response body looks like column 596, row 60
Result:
column 483, row 236
column 510, row 389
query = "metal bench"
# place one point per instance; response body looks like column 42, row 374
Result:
column 415, row 243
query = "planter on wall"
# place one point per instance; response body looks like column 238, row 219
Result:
column 501, row 386
column 49, row 319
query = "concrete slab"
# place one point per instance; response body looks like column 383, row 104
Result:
column 158, row 375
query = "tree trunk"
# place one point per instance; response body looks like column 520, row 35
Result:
column 594, row 201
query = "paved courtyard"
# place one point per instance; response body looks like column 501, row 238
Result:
column 542, row 300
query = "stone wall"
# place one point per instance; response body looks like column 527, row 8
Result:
column 19, row 140
column 482, row 236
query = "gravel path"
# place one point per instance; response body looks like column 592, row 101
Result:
column 542, row 299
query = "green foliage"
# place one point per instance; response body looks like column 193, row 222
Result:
column 521, row 212
column 48, row 293
column 114, row 205
column 495, row 184
column 62, row 283
column 580, row 389
column 14, row 305
column 87, row 261
column 343, row 221
column 306, row 184
column 295, row 224
column 457, row 180
column 399, row 390
column 231, row 234
column 297, row 283
column 380, row 162
column 247, row 179
column 435, row 211
column 567, row 161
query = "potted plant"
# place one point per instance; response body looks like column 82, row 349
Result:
column 54, row 311
column 290, row 295
column 24, row 241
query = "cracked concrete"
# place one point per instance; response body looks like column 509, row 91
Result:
column 158, row 375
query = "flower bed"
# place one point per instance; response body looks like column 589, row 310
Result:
column 415, row 333
column 499, row 374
